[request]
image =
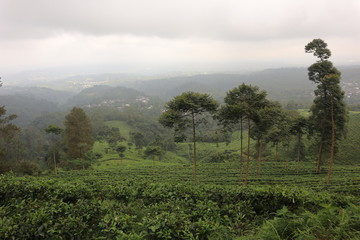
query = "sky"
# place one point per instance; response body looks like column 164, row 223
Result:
column 175, row 35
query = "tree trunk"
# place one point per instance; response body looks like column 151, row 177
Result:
column 287, row 156
column 241, row 148
column 194, row 141
column 332, row 143
column 321, row 143
column 54, row 162
column 298, row 154
column 248, row 155
column 259, row 157
column 318, row 165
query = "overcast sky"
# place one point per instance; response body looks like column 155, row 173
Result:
column 196, row 35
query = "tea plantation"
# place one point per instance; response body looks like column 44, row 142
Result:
column 161, row 202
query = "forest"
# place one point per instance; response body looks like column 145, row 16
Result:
column 238, row 163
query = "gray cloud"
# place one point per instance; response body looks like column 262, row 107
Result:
column 222, row 19
column 209, row 33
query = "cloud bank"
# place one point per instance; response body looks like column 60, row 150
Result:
column 42, row 32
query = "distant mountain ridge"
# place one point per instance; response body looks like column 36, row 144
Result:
column 276, row 82
column 31, row 102
column 102, row 95
column 48, row 94
column 285, row 84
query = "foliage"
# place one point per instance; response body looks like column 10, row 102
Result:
column 242, row 102
column 83, row 205
column 188, row 110
column 224, row 156
column 111, row 135
column 330, row 222
column 329, row 114
column 26, row 167
column 120, row 149
column 7, row 132
column 138, row 139
column 54, row 131
column 78, row 133
column 153, row 151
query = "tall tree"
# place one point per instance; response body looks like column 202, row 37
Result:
column 188, row 110
column 78, row 133
column 266, row 118
column 241, row 106
column 238, row 107
column 298, row 129
column 7, row 132
column 54, row 131
column 329, row 114
column 279, row 131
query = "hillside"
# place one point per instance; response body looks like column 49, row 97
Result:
column 30, row 102
column 26, row 108
column 284, row 85
column 118, row 98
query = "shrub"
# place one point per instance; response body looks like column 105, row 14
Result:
column 26, row 167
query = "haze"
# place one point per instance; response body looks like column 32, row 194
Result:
column 163, row 35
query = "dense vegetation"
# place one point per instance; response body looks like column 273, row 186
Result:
column 108, row 169
column 112, row 205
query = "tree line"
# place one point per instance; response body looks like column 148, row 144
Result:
column 265, row 120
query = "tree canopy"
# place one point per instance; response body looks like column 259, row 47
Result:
column 188, row 110
column 78, row 133
column 7, row 131
column 329, row 114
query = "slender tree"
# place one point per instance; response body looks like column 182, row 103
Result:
column 78, row 133
column 188, row 110
column 298, row 129
column 234, row 113
column 241, row 105
column 54, row 131
column 329, row 114
column 279, row 132
column 265, row 121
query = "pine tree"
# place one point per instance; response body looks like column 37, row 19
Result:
column 329, row 114
column 54, row 131
column 78, row 133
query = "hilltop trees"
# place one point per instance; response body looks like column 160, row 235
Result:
column 78, row 133
column 187, row 110
column 329, row 114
